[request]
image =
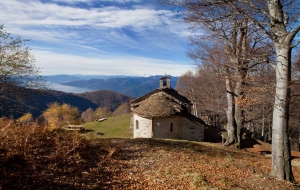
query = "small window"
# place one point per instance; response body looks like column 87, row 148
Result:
column 137, row 125
column 171, row 127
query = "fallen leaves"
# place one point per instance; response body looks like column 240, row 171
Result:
column 142, row 164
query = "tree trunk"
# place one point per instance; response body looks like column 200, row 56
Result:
column 230, row 114
column 238, row 115
column 281, row 155
column 263, row 123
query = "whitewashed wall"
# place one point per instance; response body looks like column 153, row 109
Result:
column 145, row 127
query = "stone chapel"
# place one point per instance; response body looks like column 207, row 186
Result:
column 164, row 113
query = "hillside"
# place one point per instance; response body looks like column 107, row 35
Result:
column 36, row 102
column 131, row 86
column 39, row 102
column 105, row 98
column 113, row 127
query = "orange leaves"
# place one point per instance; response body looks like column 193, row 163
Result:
column 252, row 96
column 247, row 101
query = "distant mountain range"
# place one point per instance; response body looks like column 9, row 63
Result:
column 63, row 78
column 130, row 86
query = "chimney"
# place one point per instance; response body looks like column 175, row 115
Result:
column 165, row 82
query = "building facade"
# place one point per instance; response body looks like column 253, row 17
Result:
column 164, row 113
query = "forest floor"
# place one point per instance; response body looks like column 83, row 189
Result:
column 145, row 164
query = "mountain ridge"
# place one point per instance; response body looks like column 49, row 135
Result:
column 130, row 86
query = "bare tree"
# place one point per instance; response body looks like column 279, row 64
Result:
column 238, row 47
column 87, row 115
column 279, row 20
column 204, row 87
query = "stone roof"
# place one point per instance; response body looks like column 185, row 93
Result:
column 169, row 91
column 162, row 102
column 193, row 118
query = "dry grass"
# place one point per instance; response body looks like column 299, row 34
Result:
column 32, row 157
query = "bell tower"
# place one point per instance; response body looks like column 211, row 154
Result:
column 165, row 82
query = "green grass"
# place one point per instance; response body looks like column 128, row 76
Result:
column 113, row 127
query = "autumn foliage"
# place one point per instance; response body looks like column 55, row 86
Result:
column 32, row 157
column 101, row 112
column 61, row 115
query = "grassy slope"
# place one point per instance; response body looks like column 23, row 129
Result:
column 113, row 127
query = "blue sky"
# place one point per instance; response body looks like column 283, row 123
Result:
column 103, row 37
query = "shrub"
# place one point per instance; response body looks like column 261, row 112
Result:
column 31, row 140
column 61, row 115
column 26, row 118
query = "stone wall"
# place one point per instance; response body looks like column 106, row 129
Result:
column 162, row 127
column 191, row 131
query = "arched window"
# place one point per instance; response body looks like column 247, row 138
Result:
column 136, row 124
column 171, row 127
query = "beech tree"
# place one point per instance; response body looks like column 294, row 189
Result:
column 17, row 71
column 279, row 20
column 238, row 48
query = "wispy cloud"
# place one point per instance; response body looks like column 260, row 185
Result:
column 50, row 14
column 125, row 28
column 122, row 1
column 39, row 19
column 97, row 65
column 91, row 1
column 74, row 1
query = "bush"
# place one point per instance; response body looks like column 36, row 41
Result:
column 31, row 140
column 58, row 116
column 26, row 118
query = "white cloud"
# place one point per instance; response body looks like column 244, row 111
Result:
column 122, row 1
column 36, row 20
column 96, row 30
column 74, row 1
column 53, row 63
column 39, row 14
column 46, row 35
column 90, row 1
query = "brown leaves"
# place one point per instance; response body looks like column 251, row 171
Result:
column 135, row 164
